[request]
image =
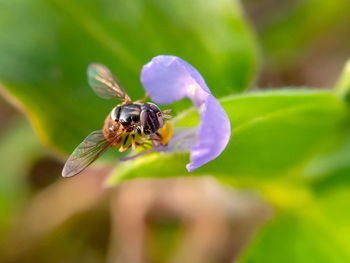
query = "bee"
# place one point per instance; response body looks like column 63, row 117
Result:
column 128, row 120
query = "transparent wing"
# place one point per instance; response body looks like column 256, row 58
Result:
column 104, row 83
column 88, row 151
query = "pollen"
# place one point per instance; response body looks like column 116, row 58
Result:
column 192, row 90
column 166, row 132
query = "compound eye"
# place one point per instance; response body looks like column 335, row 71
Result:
column 153, row 107
column 149, row 122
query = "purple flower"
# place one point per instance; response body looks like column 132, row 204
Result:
column 168, row 79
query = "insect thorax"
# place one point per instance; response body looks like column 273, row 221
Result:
column 127, row 114
column 145, row 117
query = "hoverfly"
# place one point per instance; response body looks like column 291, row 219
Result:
column 128, row 120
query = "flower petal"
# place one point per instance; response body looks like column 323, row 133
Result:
column 168, row 79
column 213, row 134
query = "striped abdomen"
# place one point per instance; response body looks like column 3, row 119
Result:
column 112, row 131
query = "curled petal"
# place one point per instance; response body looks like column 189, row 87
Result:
column 168, row 79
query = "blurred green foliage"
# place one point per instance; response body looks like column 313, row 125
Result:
column 19, row 148
column 289, row 34
column 47, row 46
column 291, row 145
column 316, row 231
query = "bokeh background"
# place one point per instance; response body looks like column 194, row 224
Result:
column 46, row 110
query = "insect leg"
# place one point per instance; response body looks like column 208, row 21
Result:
column 140, row 135
column 158, row 134
column 143, row 99
column 142, row 144
column 145, row 141
column 122, row 147
column 133, row 142
column 155, row 139
column 158, row 139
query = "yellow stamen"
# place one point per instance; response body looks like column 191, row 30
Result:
column 166, row 132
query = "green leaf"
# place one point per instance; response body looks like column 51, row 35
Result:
column 331, row 169
column 316, row 231
column 46, row 46
column 343, row 85
column 273, row 133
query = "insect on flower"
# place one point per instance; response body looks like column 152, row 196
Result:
column 129, row 124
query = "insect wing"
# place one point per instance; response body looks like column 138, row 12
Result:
column 88, row 151
column 104, row 84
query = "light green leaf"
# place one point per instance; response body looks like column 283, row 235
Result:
column 317, row 231
column 343, row 85
column 46, row 46
column 331, row 169
column 273, row 133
